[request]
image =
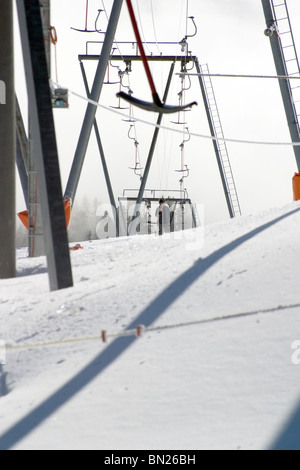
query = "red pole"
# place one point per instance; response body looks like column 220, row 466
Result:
column 87, row 13
column 142, row 50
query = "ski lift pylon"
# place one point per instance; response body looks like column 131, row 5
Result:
column 156, row 105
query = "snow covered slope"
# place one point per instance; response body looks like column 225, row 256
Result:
column 215, row 368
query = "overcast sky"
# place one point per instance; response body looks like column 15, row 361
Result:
column 231, row 40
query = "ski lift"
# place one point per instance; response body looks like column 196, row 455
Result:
column 182, row 145
column 110, row 65
column 181, row 97
column 185, row 47
column 146, row 221
column 138, row 170
column 183, row 43
column 121, row 75
column 108, row 82
column 130, row 92
column 86, row 30
column 156, row 105
column 185, row 172
column 184, row 68
column 185, row 140
column 96, row 21
column 131, row 118
column 184, row 168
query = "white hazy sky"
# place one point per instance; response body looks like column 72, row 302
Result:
column 231, row 40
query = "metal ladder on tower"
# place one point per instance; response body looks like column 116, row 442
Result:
column 289, row 53
column 220, row 145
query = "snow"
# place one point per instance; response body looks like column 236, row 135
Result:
column 226, row 383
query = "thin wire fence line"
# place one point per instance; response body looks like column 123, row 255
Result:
column 180, row 131
column 141, row 329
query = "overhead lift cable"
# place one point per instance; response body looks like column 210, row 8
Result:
column 179, row 131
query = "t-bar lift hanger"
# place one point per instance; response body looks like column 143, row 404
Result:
column 157, row 105
column 86, row 30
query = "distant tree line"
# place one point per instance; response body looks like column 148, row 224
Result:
column 84, row 220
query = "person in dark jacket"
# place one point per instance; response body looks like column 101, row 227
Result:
column 163, row 217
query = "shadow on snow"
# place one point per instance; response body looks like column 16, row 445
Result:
column 114, row 350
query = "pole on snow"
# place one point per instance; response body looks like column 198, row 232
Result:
column 7, row 144
column 44, row 145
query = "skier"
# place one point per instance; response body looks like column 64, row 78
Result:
column 163, row 217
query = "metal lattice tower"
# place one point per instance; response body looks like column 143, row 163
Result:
column 279, row 31
column 289, row 53
column 220, row 145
